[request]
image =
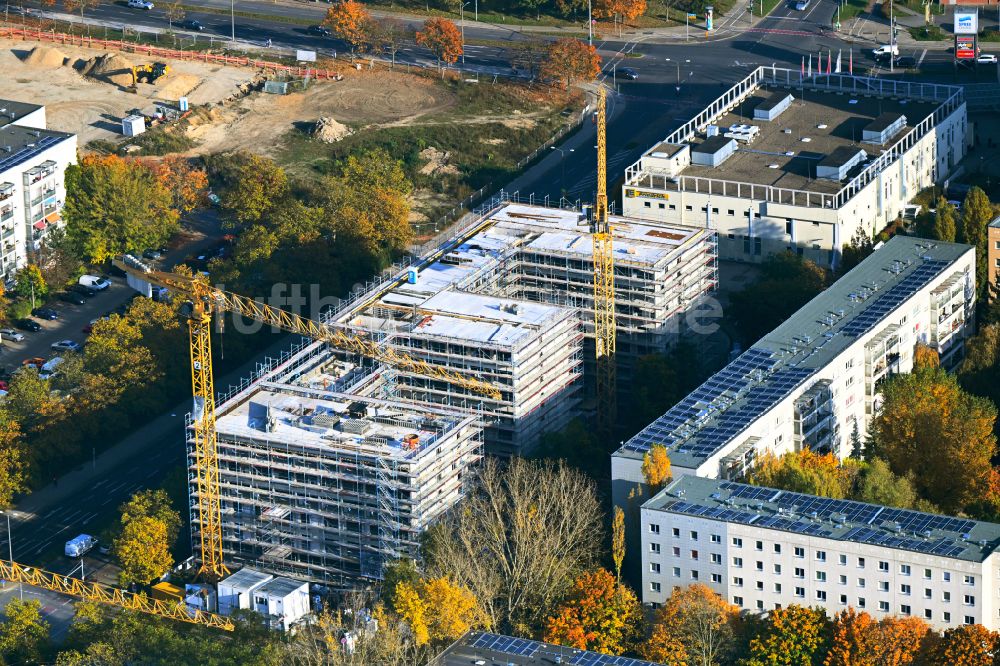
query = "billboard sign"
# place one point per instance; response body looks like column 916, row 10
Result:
column 305, row 56
column 965, row 47
column 709, row 19
column 966, row 22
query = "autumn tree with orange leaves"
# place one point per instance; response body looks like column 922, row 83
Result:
column 620, row 11
column 598, row 614
column 656, row 466
column 966, row 645
column 437, row 610
column 570, row 60
column 929, row 427
column 858, row 640
column 694, row 626
column 350, row 21
column 443, row 38
column 791, row 636
column 187, row 183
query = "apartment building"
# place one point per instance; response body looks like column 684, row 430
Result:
column 762, row 548
column 993, row 257
column 814, row 381
column 325, row 486
column 769, row 174
column 33, row 161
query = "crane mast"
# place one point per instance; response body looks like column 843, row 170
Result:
column 604, row 285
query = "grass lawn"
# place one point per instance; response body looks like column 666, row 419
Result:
column 928, row 33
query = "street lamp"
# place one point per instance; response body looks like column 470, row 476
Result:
column 461, row 11
column 562, row 160
column 10, row 551
column 232, row 19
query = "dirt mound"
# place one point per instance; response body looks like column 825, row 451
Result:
column 329, row 130
column 43, row 57
column 110, row 67
column 176, row 85
column 437, row 162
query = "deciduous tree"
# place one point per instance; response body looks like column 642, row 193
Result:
column 656, row 466
column 618, row 541
column 805, row 472
column 24, row 635
column 598, row 614
column 620, row 10
column 791, row 636
column 966, row 645
column 858, row 640
column 152, row 504
column 977, row 213
column 944, row 228
column 56, row 260
column 174, row 13
column 12, row 460
column 186, row 183
column 878, row 485
column 143, row 550
column 350, row 21
column 389, row 34
column 254, row 185
column 30, row 285
column 524, row 534
column 694, row 627
column 443, row 39
column 930, row 428
column 925, row 357
column 115, row 206
column 570, row 60
column 80, row 5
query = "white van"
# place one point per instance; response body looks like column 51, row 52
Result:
column 94, row 282
column 80, row 545
column 140, row 4
column 48, row 370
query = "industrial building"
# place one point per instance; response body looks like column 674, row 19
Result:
column 33, row 163
column 814, row 381
column 281, row 601
column 478, row 647
column 813, row 161
column 762, row 548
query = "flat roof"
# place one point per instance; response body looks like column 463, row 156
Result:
column 668, row 149
column 842, row 520
column 480, row 318
column 12, row 110
column 732, row 399
column 306, row 417
column 774, row 100
column 246, row 579
column 711, row 145
column 841, row 156
column 511, row 651
column 20, row 144
column 843, row 119
column 281, row 586
column 884, row 121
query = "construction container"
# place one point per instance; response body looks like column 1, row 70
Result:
column 164, row 591
column 133, row 125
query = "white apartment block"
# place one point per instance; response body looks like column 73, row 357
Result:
column 762, row 549
column 844, row 156
column 33, row 162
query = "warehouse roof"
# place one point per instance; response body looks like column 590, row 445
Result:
column 11, row 110
column 842, row 520
column 478, row 647
column 732, row 399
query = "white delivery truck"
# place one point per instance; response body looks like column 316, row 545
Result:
column 94, row 282
column 80, row 545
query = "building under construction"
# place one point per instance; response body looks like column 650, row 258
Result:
column 330, row 464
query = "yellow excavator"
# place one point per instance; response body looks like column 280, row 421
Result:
column 149, row 72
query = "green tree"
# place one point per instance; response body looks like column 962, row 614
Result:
column 143, row 550
column 944, row 222
column 24, row 635
column 786, row 283
column 791, row 636
column 114, row 206
column 12, row 460
column 805, row 472
column 58, row 264
column 930, row 428
column 860, row 247
column 30, row 285
column 977, row 213
column 878, row 485
column 28, row 400
column 398, row 571
column 253, row 187
column 153, row 504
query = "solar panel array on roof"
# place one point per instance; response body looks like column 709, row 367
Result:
column 505, row 644
column 916, row 280
column 519, row 647
column 23, row 154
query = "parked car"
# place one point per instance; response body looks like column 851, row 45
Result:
column 83, row 290
column 66, row 345
column 70, row 297
column 33, row 362
column 628, row 73
column 50, row 368
column 28, row 325
column 11, row 334
column 987, row 59
column 45, row 313
column 193, row 25
column 140, row 4
column 320, row 30
column 905, row 62
column 94, row 282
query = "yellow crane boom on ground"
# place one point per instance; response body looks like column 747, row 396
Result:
column 604, row 285
column 18, row 573
column 204, row 300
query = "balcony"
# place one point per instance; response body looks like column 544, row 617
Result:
column 6, row 214
column 6, row 191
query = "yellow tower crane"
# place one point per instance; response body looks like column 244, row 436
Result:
column 203, row 301
column 18, row 573
column 604, row 285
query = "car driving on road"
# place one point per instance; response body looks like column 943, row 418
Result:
column 629, row 73
column 987, row 59
column 193, row 25
column 140, row 4
column 319, row 30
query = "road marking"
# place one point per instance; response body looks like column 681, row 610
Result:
column 86, row 518
column 921, row 59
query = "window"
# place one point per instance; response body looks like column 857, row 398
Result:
column 760, row 545
column 677, row 572
column 861, row 582
column 694, row 535
column 760, row 605
column 843, row 580
column 904, row 569
column 788, row 227
column 946, row 576
column 738, row 562
column 737, row 542
column 655, row 529
column 694, row 554
column 800, row 552
column 694, row 574
column 927, row 574
column 731, row 212
column 673, row 207
column 760, row 585
column 777, row 569
column 883, row 606
column 800, row 591
column 969, row 600
column 821, row 555
column 800, row 573
column 883, row 566
column 688, row 208
column 946, row 616
column 716, row 578
column 777, row 588
column 654, row 547
column 861, row 563
column 777, row 549
column 843, row 600
column 842, row 559
column 904, row 609
column 904, row 589
column 737, row 581
column 715, row 211
column 661, row 206
column 928, row 614
column 654, row 587
column 738, row 601
column 946, row 596
column 969, row 619
column 969, row 580
column 716, row 538
column 821, row 576
column 883, row 586
column 861, row 602
column 677, row 551
column 716, row 558
column 677, row 533
column 928, row 594
column 820, row 595
column 760, row 565
column 654, row 567
column 646, row 204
